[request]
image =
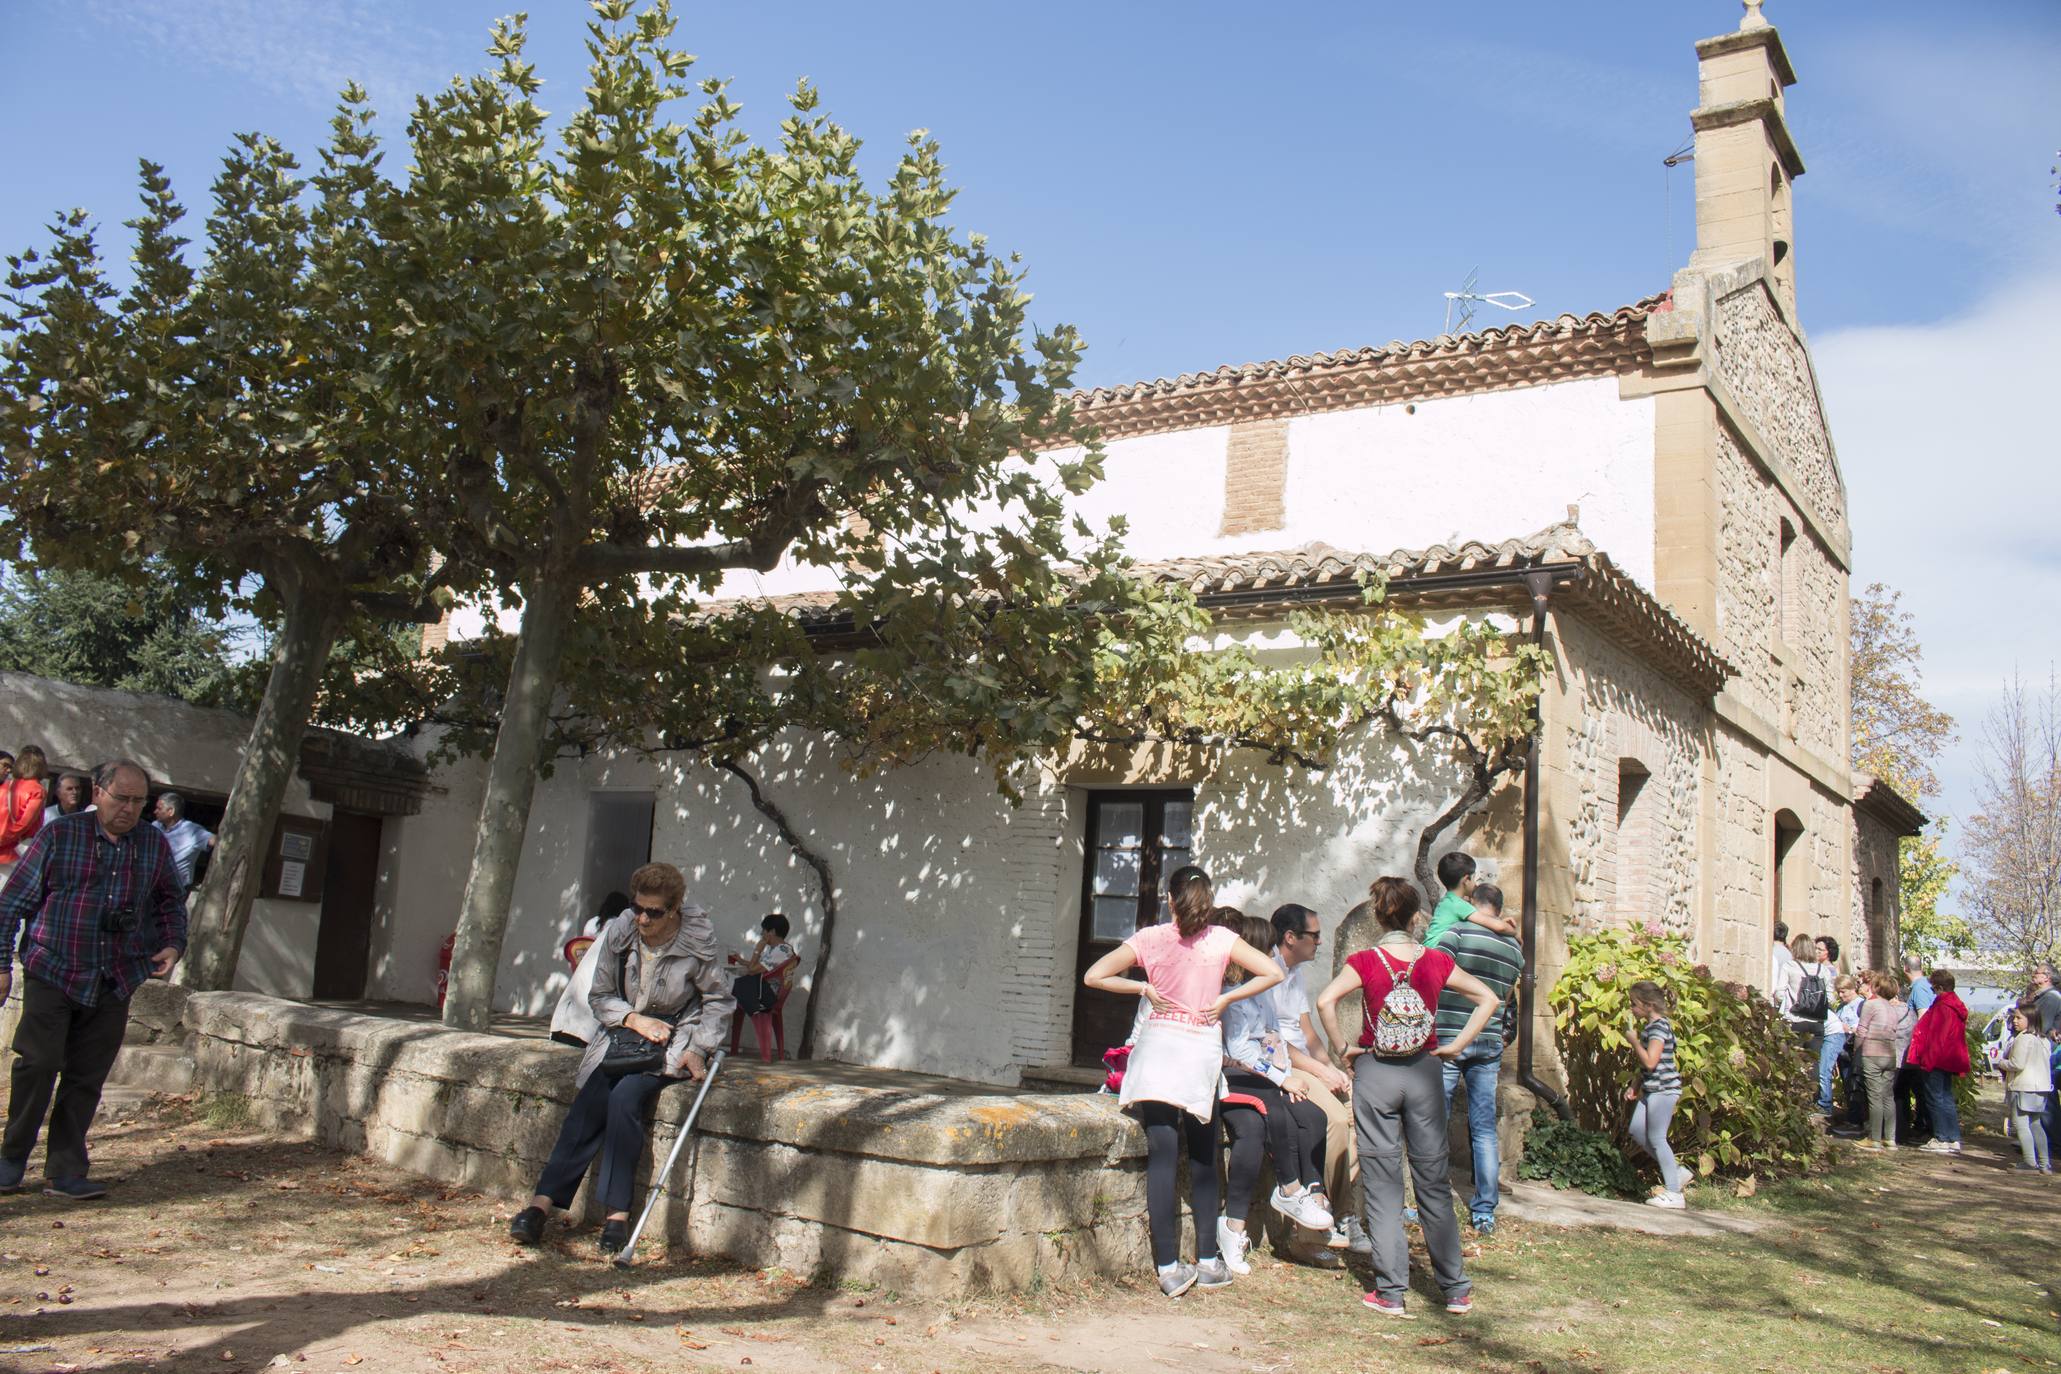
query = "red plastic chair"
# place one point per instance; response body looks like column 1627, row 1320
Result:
column 769, row 1028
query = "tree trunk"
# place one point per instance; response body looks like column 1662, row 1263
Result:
column 221, row 909
column 504, row 812
column 821, row 867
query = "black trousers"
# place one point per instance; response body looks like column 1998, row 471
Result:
column 1295, row 1130
column 607, row 1118
column 62, row 1054
column 1913, row 1112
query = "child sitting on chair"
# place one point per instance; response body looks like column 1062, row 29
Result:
column 758, row 987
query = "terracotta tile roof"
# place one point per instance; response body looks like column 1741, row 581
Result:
column 1272, row 582
column 1569, row 346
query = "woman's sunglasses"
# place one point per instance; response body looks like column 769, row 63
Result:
column 651, row 913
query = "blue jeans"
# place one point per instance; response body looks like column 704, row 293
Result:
column 1480, row 1071
column 1946, row 1117
column 1828, row 1055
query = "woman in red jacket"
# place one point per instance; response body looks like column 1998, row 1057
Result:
column 1939, row 1047
column 21, row 807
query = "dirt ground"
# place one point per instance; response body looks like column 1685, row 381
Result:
column 222, row 1249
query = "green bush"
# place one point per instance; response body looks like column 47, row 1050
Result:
column 1565, row 1155
column 1746, row 1092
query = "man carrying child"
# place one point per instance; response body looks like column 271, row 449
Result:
column 1484, row 945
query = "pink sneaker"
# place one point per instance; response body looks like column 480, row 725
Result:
column 1374, row 1302
column 1461, row 1305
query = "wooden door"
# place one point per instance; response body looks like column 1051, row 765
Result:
column 1135, row 841
column 343, row 943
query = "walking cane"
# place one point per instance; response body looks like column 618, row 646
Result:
column 622, row 1261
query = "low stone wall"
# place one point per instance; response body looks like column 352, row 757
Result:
column 917, row 1184
column 921, row 1184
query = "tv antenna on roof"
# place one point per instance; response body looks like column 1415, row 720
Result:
column 1467, row 298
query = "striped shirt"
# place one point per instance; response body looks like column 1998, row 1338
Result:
column 1663, row 1077
column 1496, row 960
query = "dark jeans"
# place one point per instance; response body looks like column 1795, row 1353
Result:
column 1167, row 1127
column 1946, row 1117
column 62, row 1050
column 607, row 1118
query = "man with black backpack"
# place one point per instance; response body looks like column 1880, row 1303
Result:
column 1805, row 997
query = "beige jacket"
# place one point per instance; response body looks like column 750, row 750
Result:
column 689, row 988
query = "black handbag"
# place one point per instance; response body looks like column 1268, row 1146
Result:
column 629, row 1052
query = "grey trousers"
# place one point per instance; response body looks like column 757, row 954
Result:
column 1879, row 1075
column 1399, row 1105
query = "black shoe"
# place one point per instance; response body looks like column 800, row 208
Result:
column 11, row 1172
column 528, row 1226
column 77, row 1189
column 614, row 1236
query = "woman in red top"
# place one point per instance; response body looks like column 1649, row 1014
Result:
column 1939, row 1048
column 1399, row 1098
column 21, row 808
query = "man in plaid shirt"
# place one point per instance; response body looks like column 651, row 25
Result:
column 99, row 906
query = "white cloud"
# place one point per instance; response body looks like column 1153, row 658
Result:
column 1947, row 438
column 304, row 50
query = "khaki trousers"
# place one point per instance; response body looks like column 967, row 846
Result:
column 1341, row 1160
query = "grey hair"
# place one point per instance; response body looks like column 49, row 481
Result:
column 178, row 803
column 104, row 775
column 1912, row 961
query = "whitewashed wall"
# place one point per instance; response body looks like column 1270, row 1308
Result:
column 184, row 747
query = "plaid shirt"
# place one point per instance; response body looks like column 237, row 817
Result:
column 67, row 876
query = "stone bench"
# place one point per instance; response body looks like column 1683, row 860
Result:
column 915, row 1183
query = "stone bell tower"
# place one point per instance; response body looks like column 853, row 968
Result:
column 1745, row 159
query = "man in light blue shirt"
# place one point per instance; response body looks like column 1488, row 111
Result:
column 1920, row 994
column 188, row 838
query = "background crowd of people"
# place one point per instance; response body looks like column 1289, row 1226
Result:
column 1888, row 1049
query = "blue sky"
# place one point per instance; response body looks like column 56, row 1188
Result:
column 1202, row 184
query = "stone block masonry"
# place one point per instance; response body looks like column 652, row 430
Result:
column 920, row 1184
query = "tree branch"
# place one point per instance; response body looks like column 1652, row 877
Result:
column 789, row 513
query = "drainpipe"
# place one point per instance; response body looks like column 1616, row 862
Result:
column 1540, row 583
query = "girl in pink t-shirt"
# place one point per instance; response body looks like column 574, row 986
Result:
column 1170, row 1083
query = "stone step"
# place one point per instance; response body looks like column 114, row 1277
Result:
column 161, row 1068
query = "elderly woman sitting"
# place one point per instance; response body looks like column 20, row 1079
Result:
column 664, row 1005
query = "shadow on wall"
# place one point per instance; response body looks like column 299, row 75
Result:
column 942, row 887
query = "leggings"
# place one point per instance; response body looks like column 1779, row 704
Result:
column 1295, row 1130
column 1165, row 1127
column 1650, row 1120
column 1247, row 1129
column 2032, row 1128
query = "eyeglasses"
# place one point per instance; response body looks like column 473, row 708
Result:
column 1315, row 937
column 651, row 913
column 121, row 799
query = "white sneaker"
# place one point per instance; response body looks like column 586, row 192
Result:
column 1672, row 1201
column 1303, row 1209
column 1233, row 1246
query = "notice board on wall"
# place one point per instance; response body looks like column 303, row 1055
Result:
column 295, row 859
